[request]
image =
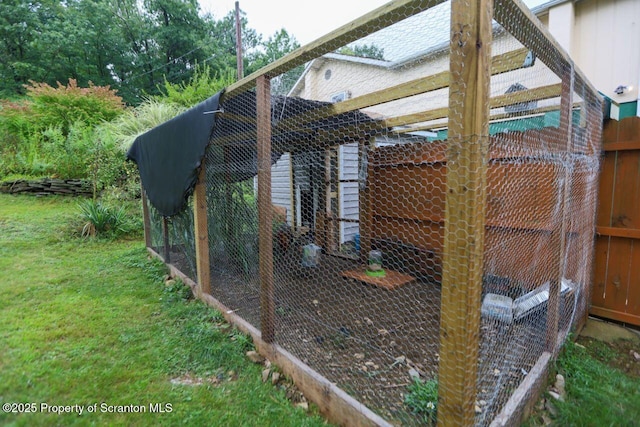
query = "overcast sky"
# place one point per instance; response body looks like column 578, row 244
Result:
column 306, row 20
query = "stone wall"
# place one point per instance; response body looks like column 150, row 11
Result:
column 48, row 186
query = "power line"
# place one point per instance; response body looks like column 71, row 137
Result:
column 159, row 67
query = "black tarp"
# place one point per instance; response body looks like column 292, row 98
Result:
column 169, row 156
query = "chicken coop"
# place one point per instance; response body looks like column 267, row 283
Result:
column 407, row 202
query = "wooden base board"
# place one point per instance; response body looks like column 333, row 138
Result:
column 335, row 404
column 390, row 281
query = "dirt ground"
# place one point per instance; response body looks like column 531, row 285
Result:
column 613, row 344
column 369, row 340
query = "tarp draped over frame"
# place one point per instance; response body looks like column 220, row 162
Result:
column 169, row 156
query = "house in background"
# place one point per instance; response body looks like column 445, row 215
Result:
column 602, row 36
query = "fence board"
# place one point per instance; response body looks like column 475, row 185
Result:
column 616, row 283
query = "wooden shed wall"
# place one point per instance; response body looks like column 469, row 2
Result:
column 407, row 195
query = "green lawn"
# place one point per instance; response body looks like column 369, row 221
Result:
column 91, row 322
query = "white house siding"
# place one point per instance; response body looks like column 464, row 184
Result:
column 591, row 42
column 605, row 45
column 348, row 191
column 281, row 184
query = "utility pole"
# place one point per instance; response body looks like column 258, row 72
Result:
column 240, row 67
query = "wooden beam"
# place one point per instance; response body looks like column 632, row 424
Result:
column 165, row 240
column 201, row 231
column 559, row 234
column 629, row 233
column 622, row 145
column 500, row 64
column 146, row 218
column 492, row 118
column 265, row 210
column 369, row 23
column 462, row 269
column 537, row 94
column 365, row 148
column 607, row 313
column 521, row 399
column 336, row 405
column 522, row 24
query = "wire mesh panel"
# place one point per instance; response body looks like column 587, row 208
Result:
column 178, row 248
column 370, row 159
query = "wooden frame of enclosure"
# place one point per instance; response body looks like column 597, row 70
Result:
column 468, row 78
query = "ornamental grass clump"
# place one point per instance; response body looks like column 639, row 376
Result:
column 102, row 220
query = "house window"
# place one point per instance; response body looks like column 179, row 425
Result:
column 327, row 74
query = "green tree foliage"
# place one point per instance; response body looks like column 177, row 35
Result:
column 364, row 51
column 133, row 46
column 277, row 46
column 203, row 84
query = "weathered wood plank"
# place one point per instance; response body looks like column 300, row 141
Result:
column 369, row 23
column 532, row 384
column 334, row 403
column 537, row 94
column 145, row 217
column 467, row 149
column 265, row 209
column 564, row 133
column 522, row 24
column 201, row 231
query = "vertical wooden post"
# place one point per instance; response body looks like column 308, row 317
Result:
column 201, row 231
column 565, row 138
column 468, row 144
column 165, row 238
column 364, row 200
column 265, row 210
column 146, row 218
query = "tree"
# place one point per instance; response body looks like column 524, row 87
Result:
column 131, row 45
column 277, row 46
column 364, row 51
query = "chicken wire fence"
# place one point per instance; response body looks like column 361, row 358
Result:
column 358, row 188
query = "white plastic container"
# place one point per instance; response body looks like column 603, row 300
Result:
column 497, row 307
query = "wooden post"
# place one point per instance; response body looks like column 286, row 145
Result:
column 265, row 211
column 468, row 144
column 560, row 231
column 201, row 231
column 165, row 238
column 145, row 218
column 364, row 201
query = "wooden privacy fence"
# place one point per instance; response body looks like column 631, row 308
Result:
column 616, row 282
column 482, row 213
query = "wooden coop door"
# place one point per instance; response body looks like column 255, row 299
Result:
column 616, row 282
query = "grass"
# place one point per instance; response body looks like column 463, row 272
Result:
column 89, row 321
column 597, row 394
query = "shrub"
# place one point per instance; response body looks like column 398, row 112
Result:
column 51, row 132
column 65, row 105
